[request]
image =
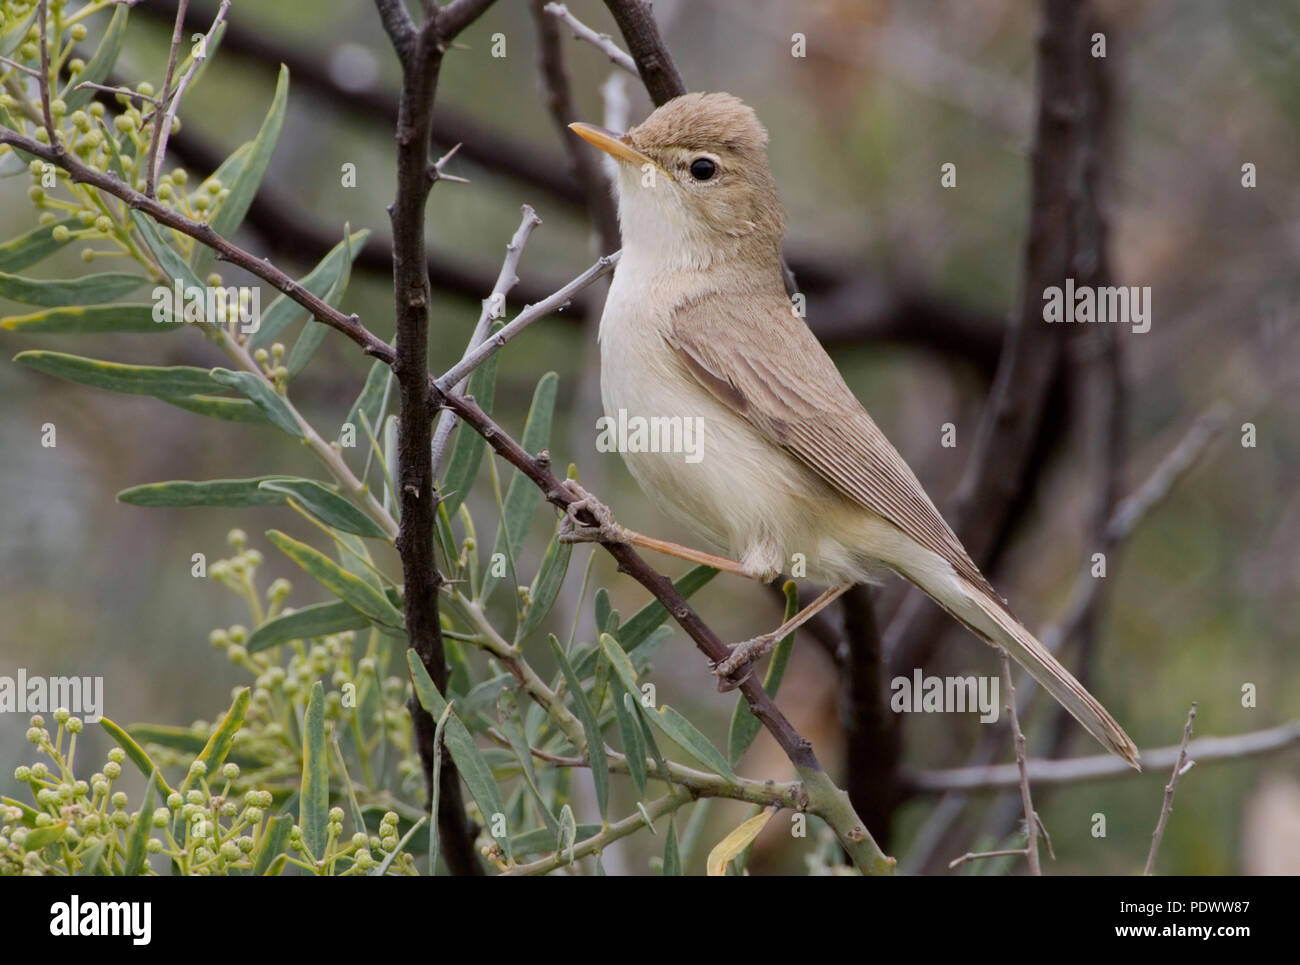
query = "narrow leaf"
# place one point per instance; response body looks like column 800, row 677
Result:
column 252, row 170
column 590, row 727
column 274, row 840
column 218, row 746
column 314, row 798
column 316, row 620
column 100, row 63
column 211, row 492
column 284, row 310
column 474, row 770
column 88, row 319
column 327, row 506
column 36, row 245
column 263, row 395
column 672, row 867
column 644, row 621
column 53, row 293
column 138, row 837
column 169, row 380
column 686, row 736
column 744, row 725
column 338, row 581
column 546, row 586
column 467, row 446
column 134, row 751
column 737, row 841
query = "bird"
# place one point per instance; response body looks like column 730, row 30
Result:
column 698, row 325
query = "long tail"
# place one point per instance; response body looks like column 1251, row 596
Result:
column 990, row 620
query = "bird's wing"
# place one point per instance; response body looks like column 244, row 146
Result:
column 756, row 357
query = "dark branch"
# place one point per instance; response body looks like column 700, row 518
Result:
column 635, row 19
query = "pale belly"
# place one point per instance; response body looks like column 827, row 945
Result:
column 731, row 488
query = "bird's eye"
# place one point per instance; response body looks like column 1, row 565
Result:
column 703, row 168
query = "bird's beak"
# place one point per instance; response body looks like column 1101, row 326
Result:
column 616, row 145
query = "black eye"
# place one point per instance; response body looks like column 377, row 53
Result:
column 703, row 168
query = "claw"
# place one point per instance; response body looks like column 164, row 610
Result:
column 737, row 667
column 573, row 531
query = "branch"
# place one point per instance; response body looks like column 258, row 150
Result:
column 1181, row 766
column 602, row 42
column 1080, row 770
column 1026, row 800
column 635, row 19
column 583, row 164
column 154, row 157
column 493, row 306
column 553, row 302
column 420, row 53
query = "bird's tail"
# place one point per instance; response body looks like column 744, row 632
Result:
column 991, row 621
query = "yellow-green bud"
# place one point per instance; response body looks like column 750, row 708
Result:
column 61, row 233
column 78, row 32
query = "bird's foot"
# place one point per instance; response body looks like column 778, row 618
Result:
column 736, row 668
column 572, row 530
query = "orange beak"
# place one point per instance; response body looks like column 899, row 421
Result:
column 616, row 145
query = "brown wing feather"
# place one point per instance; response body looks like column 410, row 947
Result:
column 775, row 373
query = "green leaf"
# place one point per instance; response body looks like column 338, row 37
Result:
column 211, row 492
column 620, row 663
column 672, row 867
column 650, row 616
column 686, row 736
column 316, row 620
column 327, row 506
column 36, row 245
column 546, row 586
column 512, row 727
column 54, row 293
column 218, row 745
column 522, row 496
column 633, row 743
column 47, row 835
column 263, row 395
column 169, row 380
column 474, row 770
column 91, row 861
column 139, row 835
column 274, row 840
column 88, row 319
column 370, row 400
column 744, row 725
column 344, row 585
column 252, row 170
column 100, row 63
column 284, row 310
column 188, row 741
column 603, row 609
column 14, row 34
column 313, row 333
column 169, row 258
column 314, row 798
column 231, row 410
column 590, row 727
column 467, row 446
column 134, row 751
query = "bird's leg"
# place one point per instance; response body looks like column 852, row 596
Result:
column 608, row 531
column 731, row 672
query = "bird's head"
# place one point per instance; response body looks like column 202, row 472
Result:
column 694, row 182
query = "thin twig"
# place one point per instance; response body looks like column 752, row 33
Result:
column 1101, row 767
column 151, row 166
column 980, row 855
column 493, row 307
column 1026, row 800
column 29, row 71
column 489, row 346
column 124, row 91
column 603, row 42
column 1181, row 766
column 44, row 84
column 158, row 149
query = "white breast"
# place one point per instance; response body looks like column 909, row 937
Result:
column 719, row 496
